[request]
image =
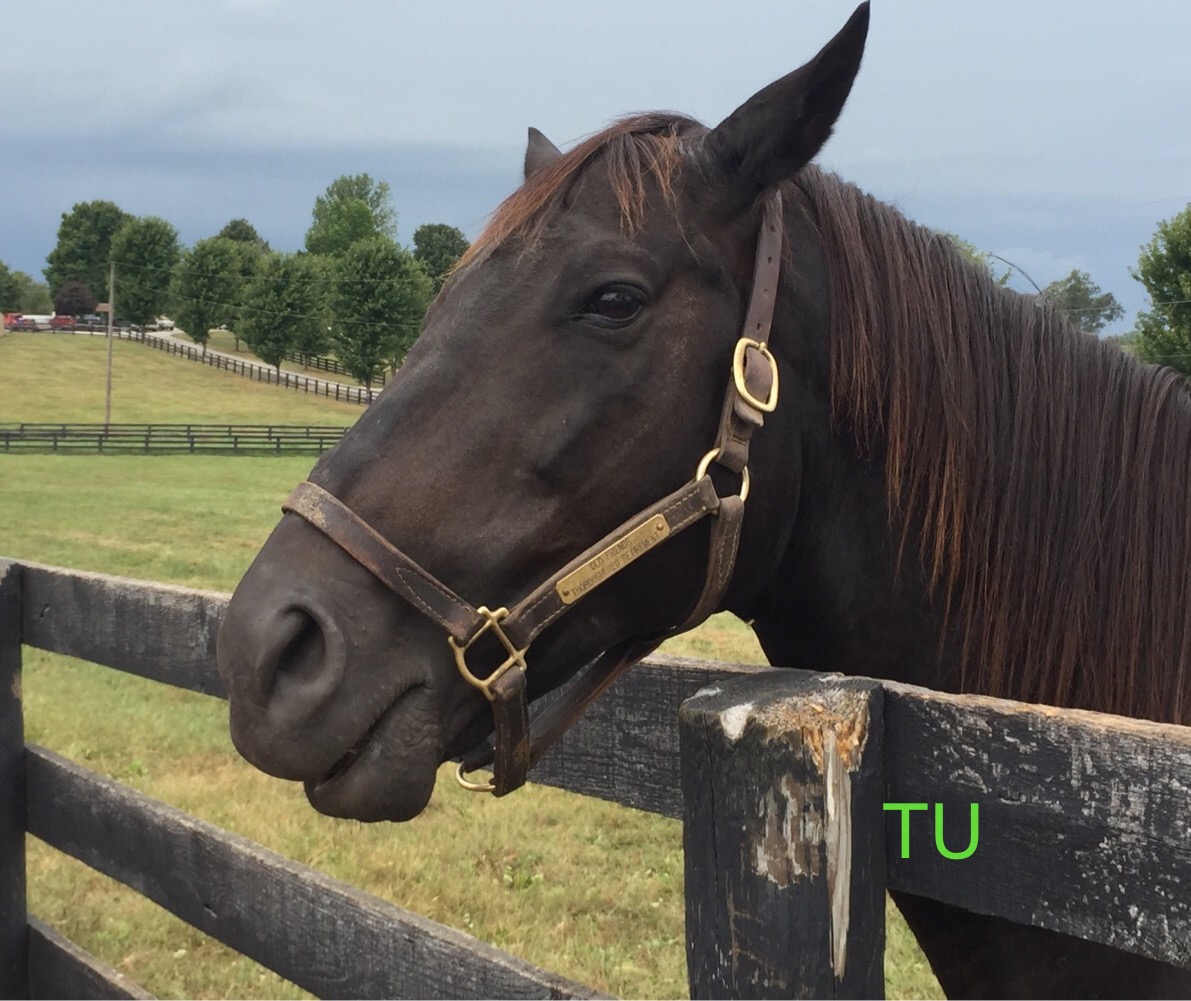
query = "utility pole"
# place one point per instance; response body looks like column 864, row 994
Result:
column 107, row 402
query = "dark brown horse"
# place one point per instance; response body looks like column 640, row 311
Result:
column 954, row 488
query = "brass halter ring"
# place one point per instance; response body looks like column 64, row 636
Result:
column 706, row 462
column 468, row 784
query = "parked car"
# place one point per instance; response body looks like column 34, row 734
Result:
column 59, row 322
column 165, row 323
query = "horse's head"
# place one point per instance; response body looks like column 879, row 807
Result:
column 543, row 448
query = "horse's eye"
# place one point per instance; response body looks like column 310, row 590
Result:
column 614, row 305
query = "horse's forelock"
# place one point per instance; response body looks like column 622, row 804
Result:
column 638, row 150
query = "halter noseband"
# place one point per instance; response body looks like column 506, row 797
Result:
column 752, row 392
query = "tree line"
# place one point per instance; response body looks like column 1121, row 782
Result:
column 356, row 291
column 353, row 290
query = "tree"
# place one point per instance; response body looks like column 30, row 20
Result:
column 343, row 225
column 84, row 245
column 380, row 294
column 437, row 247
column 1164, row 268
column 316, row 338
column 74, row 297
column 353, row 208
column 206, row 287
column 35, row 296
column 249, row 259
column 10, row 290
column 280, row 308
column 145, row 251
column 242, row 231
column 1086, row 306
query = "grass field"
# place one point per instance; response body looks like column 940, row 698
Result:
column 590, row 890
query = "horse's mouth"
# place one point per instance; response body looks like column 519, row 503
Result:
column 345, row 764
column 388, row 774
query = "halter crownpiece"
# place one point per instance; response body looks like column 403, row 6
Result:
column 752, row 392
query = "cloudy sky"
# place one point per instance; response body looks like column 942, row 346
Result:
column 1052, row 133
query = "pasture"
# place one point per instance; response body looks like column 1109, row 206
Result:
column 586, row 889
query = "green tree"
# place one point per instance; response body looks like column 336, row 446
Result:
column 10, row 290
column 146, row 252
column 242, row 231
column 379, row 295
column 35, row 296
column 249, row 259
column 73, row 298
column 353, row 208
column 281, row 306
column 437, row 247
column 1164, row 268
column 84, row 245
column 206, row 287
column 1086, row 306
column 316, row 338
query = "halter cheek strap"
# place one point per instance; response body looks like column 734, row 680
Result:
column 751, row 393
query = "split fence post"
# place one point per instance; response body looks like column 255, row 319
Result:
column 14, row 920
column 784, row 837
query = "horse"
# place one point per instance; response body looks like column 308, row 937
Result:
column 696, row 372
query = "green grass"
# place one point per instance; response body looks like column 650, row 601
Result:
column 61, row 377
column 584, row 888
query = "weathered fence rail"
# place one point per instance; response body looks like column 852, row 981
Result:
column 238, row 439
column 780, row 778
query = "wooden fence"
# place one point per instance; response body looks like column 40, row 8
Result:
column 144, row 439
column 321, row 363
column 780, row 778
column 252, row 370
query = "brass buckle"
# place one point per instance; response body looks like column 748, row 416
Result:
column 516, row 658
column 768, row 405
column 706, row 462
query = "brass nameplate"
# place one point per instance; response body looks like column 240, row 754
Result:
column 612, row 560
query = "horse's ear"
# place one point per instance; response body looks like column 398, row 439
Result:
column 778, row 130
column 538, row 152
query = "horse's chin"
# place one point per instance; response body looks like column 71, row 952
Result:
column 386, row 776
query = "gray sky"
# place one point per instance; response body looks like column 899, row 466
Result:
column 1053, row 133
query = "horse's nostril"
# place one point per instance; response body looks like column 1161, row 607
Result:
column 305, row 651
column 308, row 665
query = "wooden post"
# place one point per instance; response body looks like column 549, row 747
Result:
column 111, row 304
column 784, row 837
column 14, row 967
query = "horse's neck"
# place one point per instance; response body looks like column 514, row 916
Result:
column 839, row 600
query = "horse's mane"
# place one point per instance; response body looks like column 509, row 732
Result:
column 1046, row 475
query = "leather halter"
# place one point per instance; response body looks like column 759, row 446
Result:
column 751, row 393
